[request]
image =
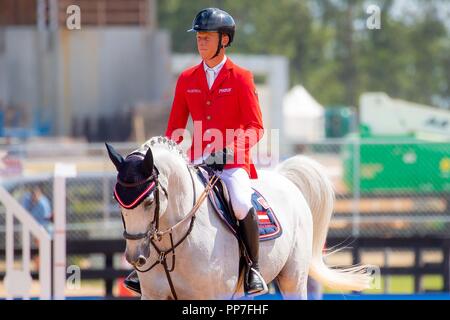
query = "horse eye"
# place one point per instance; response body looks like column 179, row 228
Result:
column 147, row 204
column 149, row 201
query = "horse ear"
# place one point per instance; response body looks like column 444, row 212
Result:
column 148, row 162
column 115, row 157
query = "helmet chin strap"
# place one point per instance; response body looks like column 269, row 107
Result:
column 219, row 45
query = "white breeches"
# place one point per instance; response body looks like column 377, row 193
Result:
column 240, row 190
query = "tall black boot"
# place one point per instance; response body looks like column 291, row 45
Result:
column 132, row 282
column 254, row 283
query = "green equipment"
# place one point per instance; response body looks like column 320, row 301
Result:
column 401, row 147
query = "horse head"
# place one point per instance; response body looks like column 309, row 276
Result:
column 137, row 192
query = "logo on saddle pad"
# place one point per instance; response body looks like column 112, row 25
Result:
column 263, row 217
column 269, row 226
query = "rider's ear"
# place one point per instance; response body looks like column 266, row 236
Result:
column 148, row 162
column 115, row 157
column 225, row 40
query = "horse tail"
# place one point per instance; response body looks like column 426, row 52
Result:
column 308, row 175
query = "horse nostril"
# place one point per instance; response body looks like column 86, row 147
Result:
column 141, row 261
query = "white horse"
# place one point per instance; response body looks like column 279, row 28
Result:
column 207, row 260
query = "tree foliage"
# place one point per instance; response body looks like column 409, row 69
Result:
column 330, row 50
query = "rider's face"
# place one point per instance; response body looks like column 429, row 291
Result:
column 207, row 44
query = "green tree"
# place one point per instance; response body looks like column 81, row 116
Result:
column 330, row 50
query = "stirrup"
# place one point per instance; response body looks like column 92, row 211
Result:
column 264, row 290
column 131, row 283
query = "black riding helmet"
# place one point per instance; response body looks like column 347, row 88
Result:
column 213, row 19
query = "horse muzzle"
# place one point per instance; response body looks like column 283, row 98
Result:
column 138, row 259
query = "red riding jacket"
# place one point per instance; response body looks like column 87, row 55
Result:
column 231, row 103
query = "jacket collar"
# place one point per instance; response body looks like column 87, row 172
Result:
column 223, row 74
column 217, row 67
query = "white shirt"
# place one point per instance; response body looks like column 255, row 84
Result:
column 212, row 73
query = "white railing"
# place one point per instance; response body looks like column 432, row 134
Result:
column 18, row 282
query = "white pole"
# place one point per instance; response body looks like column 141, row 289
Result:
column 59, row 244
column 9, row 245
column 45, row 271
column 26, row 254
column 356, row 186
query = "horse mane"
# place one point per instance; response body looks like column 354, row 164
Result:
column 167, row 144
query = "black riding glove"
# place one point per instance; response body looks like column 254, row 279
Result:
column 217, row 160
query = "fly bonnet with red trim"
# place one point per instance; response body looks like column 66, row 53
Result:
column 136, row 177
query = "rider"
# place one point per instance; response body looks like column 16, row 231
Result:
column 221, row 96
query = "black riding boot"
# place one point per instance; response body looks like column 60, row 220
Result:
column 132, row 282
column 254, row 283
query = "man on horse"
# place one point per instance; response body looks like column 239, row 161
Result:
column 221, row 96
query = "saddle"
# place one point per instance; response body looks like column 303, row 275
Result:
column 269, row 227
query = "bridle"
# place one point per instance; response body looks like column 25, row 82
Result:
column 154, row 235
column 152, row 231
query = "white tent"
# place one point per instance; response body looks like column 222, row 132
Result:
column 388, row 116
column 304, row 117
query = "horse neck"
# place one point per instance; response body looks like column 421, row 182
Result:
column 179, row 188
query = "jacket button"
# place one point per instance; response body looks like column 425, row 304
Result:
column 208, row 117
column 208, row 102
